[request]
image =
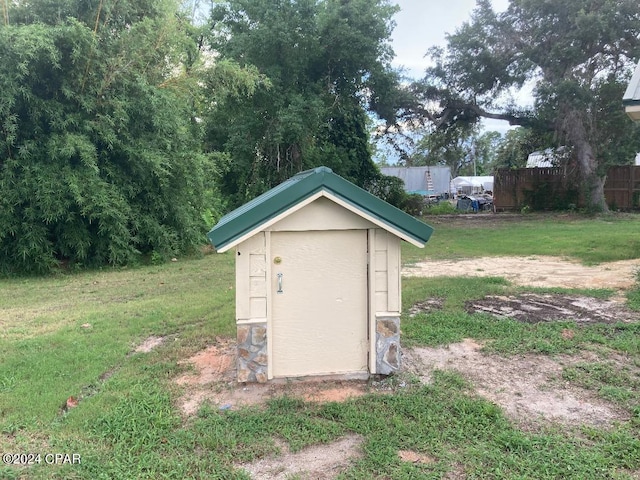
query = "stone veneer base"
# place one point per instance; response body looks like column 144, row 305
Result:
column 253, row 358
column 387, row 345
column 252, row 352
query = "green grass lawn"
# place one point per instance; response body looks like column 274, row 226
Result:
column 74, row 335
column 590, row 240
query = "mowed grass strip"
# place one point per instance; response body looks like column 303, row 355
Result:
column 75, row 335
column 590, row 240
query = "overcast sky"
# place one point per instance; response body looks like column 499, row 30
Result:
column 422, row 24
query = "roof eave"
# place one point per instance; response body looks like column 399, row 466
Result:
column 300, row 190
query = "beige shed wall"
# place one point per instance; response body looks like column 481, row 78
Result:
column 321, row 214
column 251, row 279
column 386, row 278
column 255, row 274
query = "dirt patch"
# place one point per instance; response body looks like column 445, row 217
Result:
column 149, row 344
column 536, row 308
column 426, row 306
column 535, row 271
column 213, row 380
column 318, row 462
column 213, row 364
column 415, row 457
column 527, row 387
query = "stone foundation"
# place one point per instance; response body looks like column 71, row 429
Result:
column 252, row 352
column 387, row 345
column 253, row 358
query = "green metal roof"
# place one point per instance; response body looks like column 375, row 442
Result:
column 632, row 94
column 256, row 213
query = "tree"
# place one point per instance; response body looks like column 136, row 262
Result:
column 461, row 147
column 325, row 62
column 99, row 157
column 578, row 54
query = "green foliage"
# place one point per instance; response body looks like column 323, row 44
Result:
column 577, row 54
column 548, row 196
column 138, row 421
column 74, row 331
column 99, row 157
column 441, row 208
column 461, row 147
column 388, row 188
column 323, row 62
column 391, row 190
column 514, row 149
column 633, row 295
column 613, row 383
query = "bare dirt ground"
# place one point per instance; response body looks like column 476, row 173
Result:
column 533, row 271
column 536, row 308
column 319, row 462
column 529, row 388
column 214, row 381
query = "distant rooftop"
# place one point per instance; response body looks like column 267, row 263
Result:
column 632, row 95
column 631, row 99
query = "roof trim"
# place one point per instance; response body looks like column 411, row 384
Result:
column 269, row 222
column 302, row 189
column 374, row 220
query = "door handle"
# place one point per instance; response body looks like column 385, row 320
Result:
column 279, row 284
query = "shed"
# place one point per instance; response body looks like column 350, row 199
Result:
column 631, row 98
column 424, row 180
column 317, row 278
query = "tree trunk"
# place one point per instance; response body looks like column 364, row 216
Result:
column 591, row 184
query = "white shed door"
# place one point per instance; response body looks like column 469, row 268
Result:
column 319, row 294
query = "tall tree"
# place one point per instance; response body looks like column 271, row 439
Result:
column 462, row 147
column 578, row 53
column 99, row 157
column 512, row 151
column 325, row 62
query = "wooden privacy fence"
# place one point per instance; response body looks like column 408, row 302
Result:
column 553, row 188
column 622, row 188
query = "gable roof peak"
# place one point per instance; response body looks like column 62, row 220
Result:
column 303, row 187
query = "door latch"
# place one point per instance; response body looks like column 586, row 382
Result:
column 279, row 292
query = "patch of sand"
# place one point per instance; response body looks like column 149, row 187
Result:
column 213, row 364
column 149, row 344
column 535, row 271
column 318, row 462
column 415, row 457
column 525, row 386
column 213, row 380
